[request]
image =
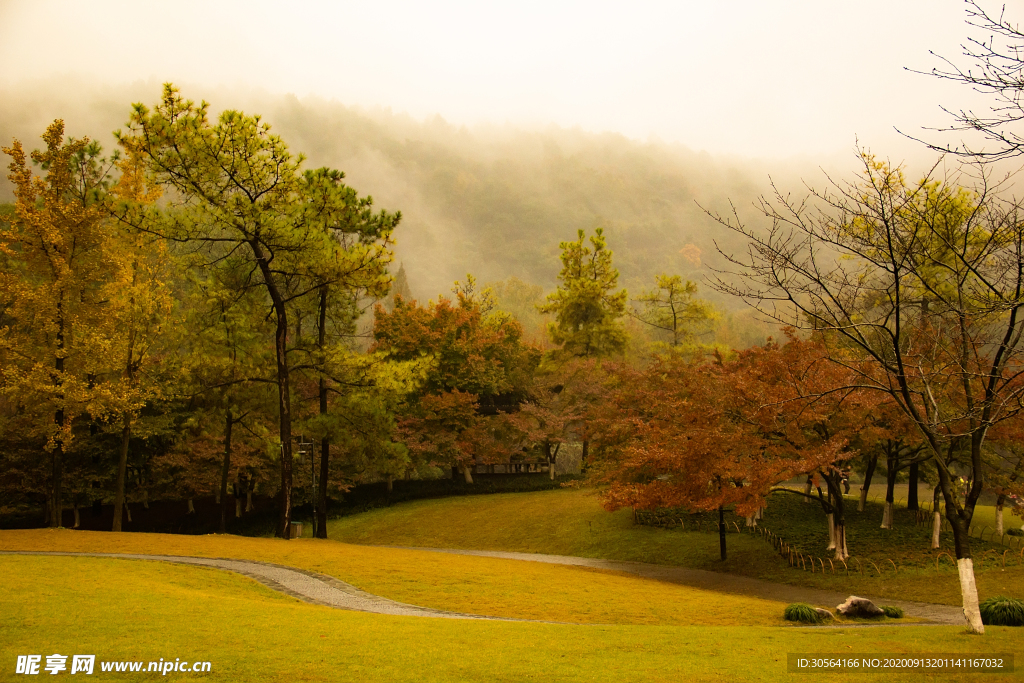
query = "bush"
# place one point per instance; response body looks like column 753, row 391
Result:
column 801, row 611
column 1015, row 532
column 892, row 612
column 1002, row 611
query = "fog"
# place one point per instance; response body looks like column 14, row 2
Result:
column 499, row 132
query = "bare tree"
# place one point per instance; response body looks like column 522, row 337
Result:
column 853, row 264
column 996, row 69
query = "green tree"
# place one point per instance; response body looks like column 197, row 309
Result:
column 586, row 307
column 673, row 308
column 242, row 193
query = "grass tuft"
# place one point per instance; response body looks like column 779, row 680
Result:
column 1002, row 611
column 892, row 612
column 801, row 611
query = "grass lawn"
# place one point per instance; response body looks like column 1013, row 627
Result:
column 474, row 585
column 123, row 610
column 571, row 522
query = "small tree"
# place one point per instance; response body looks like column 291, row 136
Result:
column 586, row 307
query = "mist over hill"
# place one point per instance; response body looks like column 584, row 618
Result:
column 494, row 201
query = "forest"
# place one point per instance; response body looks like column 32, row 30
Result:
column 200, row 312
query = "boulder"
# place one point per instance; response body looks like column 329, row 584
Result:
column 859, row 607
column 824, row 614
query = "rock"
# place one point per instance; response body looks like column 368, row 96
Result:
column 859, row 607
column 824, row 614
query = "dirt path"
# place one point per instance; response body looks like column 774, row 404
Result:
column 310, row 587
column 726, row 583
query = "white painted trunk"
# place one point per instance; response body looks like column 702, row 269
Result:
column 831, row 531
column 145, row 499
column 936, row 528
column 191, row 507
column 467, row 471
column 863, row 500
column 807, row 492
column 752, row 520
column 238, row 507
column 999, row 520
column 77, row 519
column 248, row 500
column 551, row 470
column 216, row 497
column 842, row 552
column 969, row 590
column 128, row 511
column 887, row 516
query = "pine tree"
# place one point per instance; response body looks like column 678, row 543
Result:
column 586, row 306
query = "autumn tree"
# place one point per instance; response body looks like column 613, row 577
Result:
column 55, row 339
column 480, row 369
column 848, row 261
column 240, row 191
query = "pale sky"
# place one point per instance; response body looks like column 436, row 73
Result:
column 752, row 78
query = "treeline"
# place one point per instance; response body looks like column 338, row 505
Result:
column 183, row 317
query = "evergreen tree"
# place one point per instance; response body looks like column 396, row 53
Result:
column 586, row 306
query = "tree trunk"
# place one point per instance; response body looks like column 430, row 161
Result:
column 250, row 486
column 128, row 511
column 1000, row 501
column 391, row 483
column 831, row 531
column 284, row 526
column 467, row 473
column 890, row 488
column 869, row 472
column 145, row 498
column 584, row 456
column 191, row 507
column 78, row 520
column 960, row 521
column 122, row 473
column 936, row 517
column 807, row 490
column 320, row 523
column 225, row 468
column 321, row 510
column 913, row 475
column 721, row 531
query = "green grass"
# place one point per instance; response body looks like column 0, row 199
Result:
column 474, row 585
column 571, row 522
column 121, row 610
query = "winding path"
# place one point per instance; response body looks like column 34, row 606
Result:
column 317, row 589
column 320, row 589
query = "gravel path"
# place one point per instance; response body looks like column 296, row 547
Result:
column 727, row 583
column 319, row 589
column 311, row 587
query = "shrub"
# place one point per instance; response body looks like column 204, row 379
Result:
column 1015, row 532
column 892, row 612
column 801, row 611
column 1002, row 611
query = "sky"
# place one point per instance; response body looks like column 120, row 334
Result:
column 749, row 78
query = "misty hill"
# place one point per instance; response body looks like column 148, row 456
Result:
column 493, row 201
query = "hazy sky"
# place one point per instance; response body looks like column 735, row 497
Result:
column 756, row 78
